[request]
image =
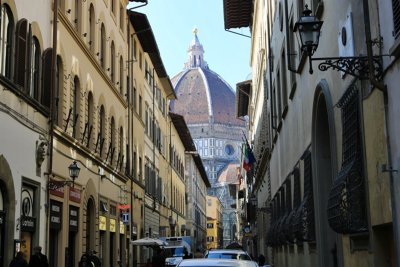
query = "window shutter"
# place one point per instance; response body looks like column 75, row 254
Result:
column 46, row 77
column 21, row 52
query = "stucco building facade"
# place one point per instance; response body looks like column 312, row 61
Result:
column 322, row 182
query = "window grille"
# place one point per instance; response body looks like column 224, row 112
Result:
column 303, row 222
column 346, row 204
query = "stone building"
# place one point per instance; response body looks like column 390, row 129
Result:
column 207, row 103
column 214, row 223
column 94, row 98
column 326, row 160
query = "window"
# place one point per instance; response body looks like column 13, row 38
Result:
column 121, row 75
column 134, row 49
column 112, row 137
column 134, row 99
column 6, row 37
column 121, row 144
column 102, row 45
column 58, row 106
column 113, row 6
column 121, row 16
column 210, row 238
column 92, row 23
column 101, row 136
column 141, row 169
column 140, row 60
column 210, row 225
column 140, row 107
column 284, row 82
column 21, row 52
column 396, row 17
column 34, row 90
column 77, row 14
column 90, row 110
column 75, row 107
column 112, row 61
column 46, row 78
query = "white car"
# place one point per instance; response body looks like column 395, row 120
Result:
column 235, row 254
column 216, row 263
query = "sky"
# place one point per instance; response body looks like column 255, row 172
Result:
column 173, row 21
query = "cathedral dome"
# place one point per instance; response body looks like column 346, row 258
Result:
column 202, row 95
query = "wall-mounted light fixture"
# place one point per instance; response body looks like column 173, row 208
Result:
column 74, row 170
column 309, row 28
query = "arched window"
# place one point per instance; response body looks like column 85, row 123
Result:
column 102, row 128
column 121, row 75
column 34, row 90
column 75, row 107
column 58, row 103
column 102, row 45
column 92, row 23
column 90, row 110
column 112, row 61
column 6, row 37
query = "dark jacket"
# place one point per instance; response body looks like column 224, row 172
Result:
column 38, row 260
column 18, row 262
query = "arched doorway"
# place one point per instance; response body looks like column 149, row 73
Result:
column 90, row 221
column 324, row 164
column 7, row 213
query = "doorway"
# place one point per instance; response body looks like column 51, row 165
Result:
column 324, row 171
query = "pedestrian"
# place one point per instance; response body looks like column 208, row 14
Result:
column 38, row 259
column 19, row 260
column 93, row 259
column 261, row 260
column 84, row 262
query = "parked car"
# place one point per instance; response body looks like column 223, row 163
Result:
column 235, row 254
column 217, row 263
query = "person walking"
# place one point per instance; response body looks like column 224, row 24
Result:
column 38, row 259
column 19, row 260
column 261, row 260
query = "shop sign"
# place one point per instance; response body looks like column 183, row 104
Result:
column 121, row 228
column 75, row 195
column 73, row 218
column 55, row 215
column 125, row 217
column 113, row 223
column 102, row 223
column 28, row 224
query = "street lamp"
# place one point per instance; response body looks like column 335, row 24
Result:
column 309, row 28
column 74, row 170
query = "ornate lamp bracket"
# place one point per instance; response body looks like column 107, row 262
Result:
column 54, row 185
column 354, row 66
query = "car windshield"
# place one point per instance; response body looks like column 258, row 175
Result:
column 174, row 252
column 235, row 256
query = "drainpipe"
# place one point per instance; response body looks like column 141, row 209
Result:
column 51, row 119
